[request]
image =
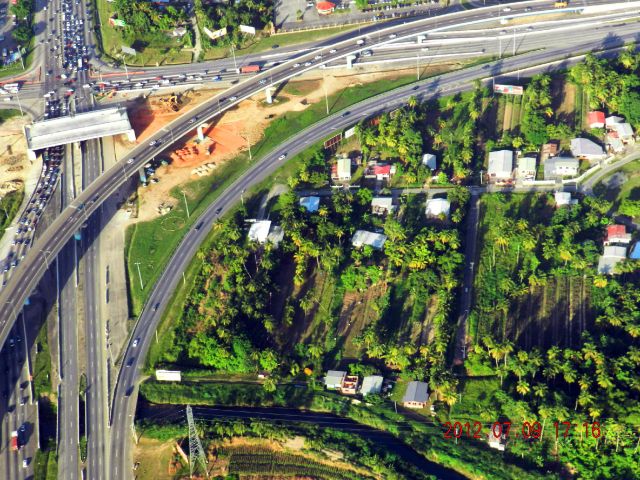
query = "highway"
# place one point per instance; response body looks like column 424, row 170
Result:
column 126, row 394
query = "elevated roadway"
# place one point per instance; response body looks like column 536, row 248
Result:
column 126, row 391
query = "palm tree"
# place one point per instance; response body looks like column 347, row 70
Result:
column 523, row 387
column 412, row 102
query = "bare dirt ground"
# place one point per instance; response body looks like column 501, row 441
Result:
column 154, row 457
column 231, row 134
column 15, row 169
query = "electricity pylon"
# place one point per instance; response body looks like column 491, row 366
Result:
column 196, row 452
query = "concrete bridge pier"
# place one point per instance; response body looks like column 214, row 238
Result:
column 269, row 94
column 350, row 60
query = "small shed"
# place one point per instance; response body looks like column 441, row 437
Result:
column 341, row 170
column 562, row 198
column 259, row 231
column 311, row 204
column 436, row 207
column 416, row 396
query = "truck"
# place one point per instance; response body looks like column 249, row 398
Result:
column 249, row 69
column 560, row 4
column 79, row 63
column 14, row 441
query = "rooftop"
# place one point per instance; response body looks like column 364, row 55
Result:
column 371, row 384
column 416, row 392
column 311, row 204
column 364, row 237
column 77, row 128
column 585, row 147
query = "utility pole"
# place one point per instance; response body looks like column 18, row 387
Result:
column 196, row 452
column 418, row 65
column 137, row 264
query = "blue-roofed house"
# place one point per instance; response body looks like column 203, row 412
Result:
column 311, row 204
column 635, row 252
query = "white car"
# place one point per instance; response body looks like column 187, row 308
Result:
column 131, row 160
column 307, row 64
column 296, row 65
column 262, row 82
column 393, row 35
column 333, row 50
column 506, row 9
column 152, row 143
column 25, row 463
column 233, row 99
column 318, row 57
column 135, row 343
column 282, row 157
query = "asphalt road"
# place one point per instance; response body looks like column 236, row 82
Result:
column 125, row 395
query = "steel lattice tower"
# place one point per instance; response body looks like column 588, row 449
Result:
column 196, row 452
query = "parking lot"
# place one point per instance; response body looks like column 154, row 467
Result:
column 7, row 44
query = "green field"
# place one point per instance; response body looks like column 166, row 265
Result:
column 628, row 189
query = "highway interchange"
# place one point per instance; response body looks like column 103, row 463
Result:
column 100, row 186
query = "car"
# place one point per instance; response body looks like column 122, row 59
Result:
column 131, row 160
column 296, row 65
column 307, row 64
column 130, row 361
column 193, row 120
column 333, row 50
column 22, row 401
column 152, row 143
column 503, row 32
column 529, row 28
column 199, row 225
column 275, row 46
column 135, row 343
column 393, row 35
column 282, row 157
column 233, row 99
column 345, row 114
column 318, row 57
column 25, row 462
column 528, row 9
column 262, row 82
column 156, row 306
column 129, row 391
column 218, row 210
column 506, row 9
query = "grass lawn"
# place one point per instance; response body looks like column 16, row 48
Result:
column 16, row 67
column 9, row 206
column 157, row 48
column 630, row 188
column 7, row 114
column 474, row 401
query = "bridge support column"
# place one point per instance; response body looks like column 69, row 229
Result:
column 269, row 94
column 131, row 135
column 31, row 155
column 421, row 38
column 350, row 60
column 200, row 132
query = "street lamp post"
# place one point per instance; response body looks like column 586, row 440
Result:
column 137, row 264
column 186, row 205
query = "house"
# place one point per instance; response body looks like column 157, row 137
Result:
column 179, row 32
column 635, row 252
column 349, row 385
column 262, row 231
column 623, row 131
column 617, row 234
column 341, row 170
column 371, row 384
column 416, row 395
column 611, row 256
column 364, row 237
column 259, row 231
column 613, row 142
column 563, row 198
column 325, row 8
column 558, row 167
column 500, row 165
column 437, row 207
column 334, row 378
column 612, row 120
column 526, row 168
column 311, row 204
column 499, row 443
column 595, row 119
column 430, row 161
column 382, row 205
column 586, row 149
column 380, row 172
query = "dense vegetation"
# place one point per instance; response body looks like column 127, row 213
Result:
column 10, row 205
column 251, row 13
column 591, row 373
column 145, row 17
column 22, row 33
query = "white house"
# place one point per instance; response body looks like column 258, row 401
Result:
column 430, row 161
column 437, row 207
column 334, row 379
column 563, row 198
column 623, row 131
column 341, row 170
column 259, row 231
column 382, row 205
column 585, row 148
column 311, row 204
column 364, row 237
column 612, row 120
column 526, row 168
column 500, row 165
column 558, row 167
column 611, row 256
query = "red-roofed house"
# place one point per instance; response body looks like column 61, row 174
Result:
column 380, row 172
column 325, row 8
column 595, row 119
column 617, row 234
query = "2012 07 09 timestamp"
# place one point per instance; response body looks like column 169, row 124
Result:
column 526, row 431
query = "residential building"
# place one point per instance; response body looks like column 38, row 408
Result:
column 334, row 378
column 371, row 384
column 613, row 142
column 430, row 161
column 349, row 385
column 617, row 235
column 526, row 168
column 497, row 443
column 635, row 252
column 623, row 131
column 563, row 198
column 558, row 167
column 500, row 165
column 179, row 32
column 586, row 149
column 548, row 150
column 595, row 119
column 341, row 170
column 611, row 256
column 380, row 172
column 416, row 396
column 364, row 237
column 311, row 204
column 438, row 207
column 259, row 231
column 612, row 120
column 382, row 205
